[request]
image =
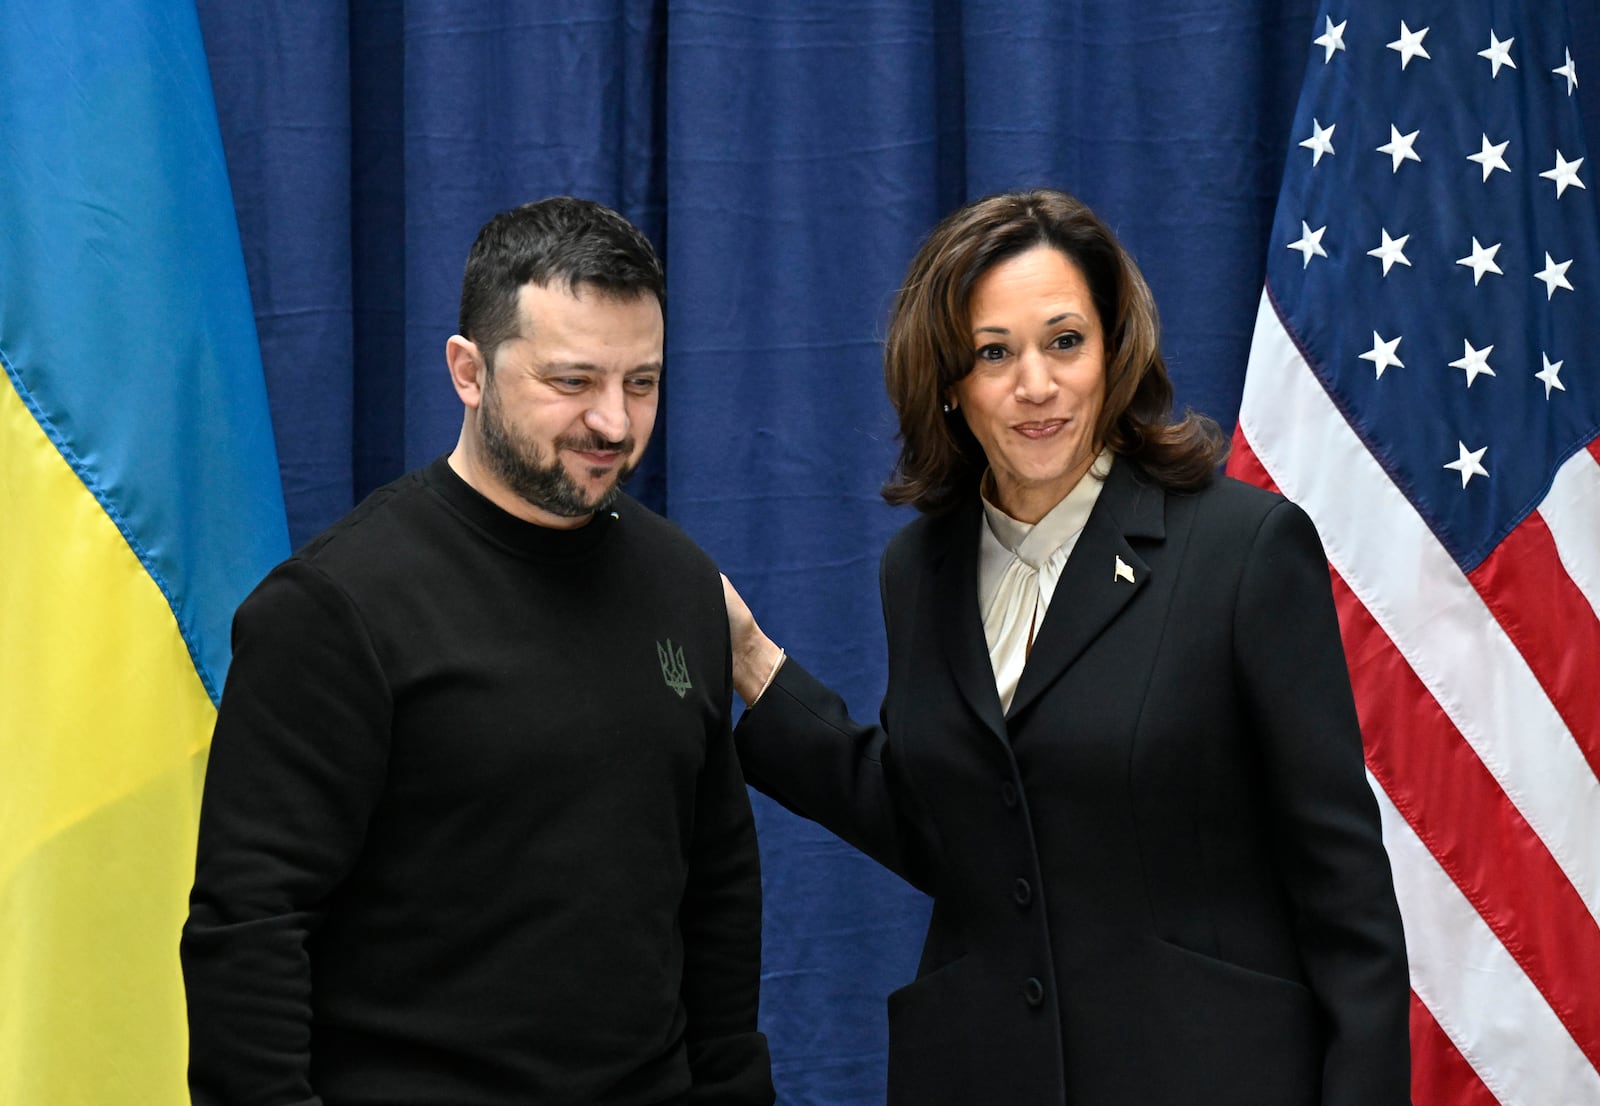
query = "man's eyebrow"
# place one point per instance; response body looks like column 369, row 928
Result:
column 555, row 368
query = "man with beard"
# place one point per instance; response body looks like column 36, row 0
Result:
column 473, row 832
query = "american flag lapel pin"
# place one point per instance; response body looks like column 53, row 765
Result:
column 1122, row 571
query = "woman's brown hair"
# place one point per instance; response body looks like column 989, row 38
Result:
column 929, row 348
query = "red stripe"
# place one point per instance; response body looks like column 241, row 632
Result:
column 1440, row 1075
column 1549, row 620
column 1441, row 788
column 1594, row 448
column 1245, row 465
column 1456, row 807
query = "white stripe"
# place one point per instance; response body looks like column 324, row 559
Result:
column 1572, row 511
column 1477, row 993
column 1411, row 586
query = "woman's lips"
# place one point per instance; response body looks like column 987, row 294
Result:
column 1038, row 430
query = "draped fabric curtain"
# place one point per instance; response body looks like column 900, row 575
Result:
column 786, row 159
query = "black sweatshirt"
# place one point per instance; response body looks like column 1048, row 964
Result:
column 473, row 832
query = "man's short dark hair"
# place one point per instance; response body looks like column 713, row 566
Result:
column 562, row 238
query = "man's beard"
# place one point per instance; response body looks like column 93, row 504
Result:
column 521, row 466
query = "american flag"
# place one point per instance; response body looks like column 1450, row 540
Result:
column 1425, row 380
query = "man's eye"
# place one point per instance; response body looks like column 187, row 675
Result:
column 644, row 385
column 569, row 383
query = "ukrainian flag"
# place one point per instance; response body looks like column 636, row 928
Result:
column 139, row 502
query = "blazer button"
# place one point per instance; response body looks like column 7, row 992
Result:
column 1022, row 891
column 1008, row 793
column 1033, row 991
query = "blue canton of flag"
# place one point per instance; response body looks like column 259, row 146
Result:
column 1423, row 382
column 1440, row 196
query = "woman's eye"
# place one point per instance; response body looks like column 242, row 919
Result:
column 1068, row 340
column 991, row 352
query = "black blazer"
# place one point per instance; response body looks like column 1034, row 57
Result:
column 1159, row 878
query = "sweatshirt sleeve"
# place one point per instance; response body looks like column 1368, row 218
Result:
column 296, row 765
column 721, row 919
column 1292, row 672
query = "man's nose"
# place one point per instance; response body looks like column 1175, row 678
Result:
column 608, row 415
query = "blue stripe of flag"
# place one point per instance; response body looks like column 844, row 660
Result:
column 125, row 317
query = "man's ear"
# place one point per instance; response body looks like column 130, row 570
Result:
column 468, row 372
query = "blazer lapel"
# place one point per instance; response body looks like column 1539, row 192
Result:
column 955, row 606
column 1095, row 584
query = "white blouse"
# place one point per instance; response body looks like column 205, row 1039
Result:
column 1018, row 566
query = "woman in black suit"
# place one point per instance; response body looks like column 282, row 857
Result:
column 1118, row 746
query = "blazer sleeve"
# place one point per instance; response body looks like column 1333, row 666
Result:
column 1293, row 676
column 799, row 746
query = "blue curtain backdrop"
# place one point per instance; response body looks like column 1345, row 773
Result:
column 786, row 159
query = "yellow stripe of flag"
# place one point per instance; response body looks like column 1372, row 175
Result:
column 101, row 753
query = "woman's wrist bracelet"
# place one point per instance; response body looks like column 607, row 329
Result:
column 777, row 664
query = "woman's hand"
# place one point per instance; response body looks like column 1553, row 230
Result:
column 755, row 657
